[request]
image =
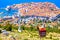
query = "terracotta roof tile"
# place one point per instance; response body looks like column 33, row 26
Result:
column 38, row 9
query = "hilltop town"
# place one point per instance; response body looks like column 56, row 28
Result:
column 37, row 9
column 29, row 11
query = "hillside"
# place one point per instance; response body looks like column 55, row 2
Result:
column 37, row 9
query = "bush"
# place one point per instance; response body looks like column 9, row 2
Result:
column 49, row 21
column 0, row 26
column 14, row 27
column 33, row 28
column 23, row 27
column 54, row 29
column 8, row 27
column 49, row 29
column 28, row 28
column 40, row 21
column 0, row 31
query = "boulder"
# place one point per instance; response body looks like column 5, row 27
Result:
column 4, row 32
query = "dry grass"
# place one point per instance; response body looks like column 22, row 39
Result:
column 30, row 35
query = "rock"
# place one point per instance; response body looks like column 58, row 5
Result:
column 4, row 32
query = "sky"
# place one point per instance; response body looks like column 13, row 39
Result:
column 4, row 3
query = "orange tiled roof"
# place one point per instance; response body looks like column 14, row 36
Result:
column 38, row 9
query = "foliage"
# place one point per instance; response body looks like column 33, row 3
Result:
column 8, row 27
column 28, row 28
column 40, row 21
column 54, row 29
column 0, row 26
column 0, row 31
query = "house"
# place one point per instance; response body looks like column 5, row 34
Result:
column 55, row 18
column 1, row 20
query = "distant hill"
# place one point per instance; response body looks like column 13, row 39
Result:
column 37, row 9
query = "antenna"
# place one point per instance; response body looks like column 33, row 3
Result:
column 19, row 20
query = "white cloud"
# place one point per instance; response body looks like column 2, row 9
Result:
column 1, row 12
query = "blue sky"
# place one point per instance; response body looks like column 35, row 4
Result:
column 4, row 3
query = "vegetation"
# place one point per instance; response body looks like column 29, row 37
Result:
column 0, row 31
column 30, row 33
column 0, row 38
column 29, row 28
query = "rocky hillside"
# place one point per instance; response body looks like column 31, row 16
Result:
column 37, row 9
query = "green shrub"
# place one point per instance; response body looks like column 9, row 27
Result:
column 8, row 27
column 16, row 28
column 23, row 27
column 49, row 21
column 33, row 29
column 0, row 26
column 49, row 29
column 0, row 31
column 40, row 21
column 54, row 29
column 28, row 28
